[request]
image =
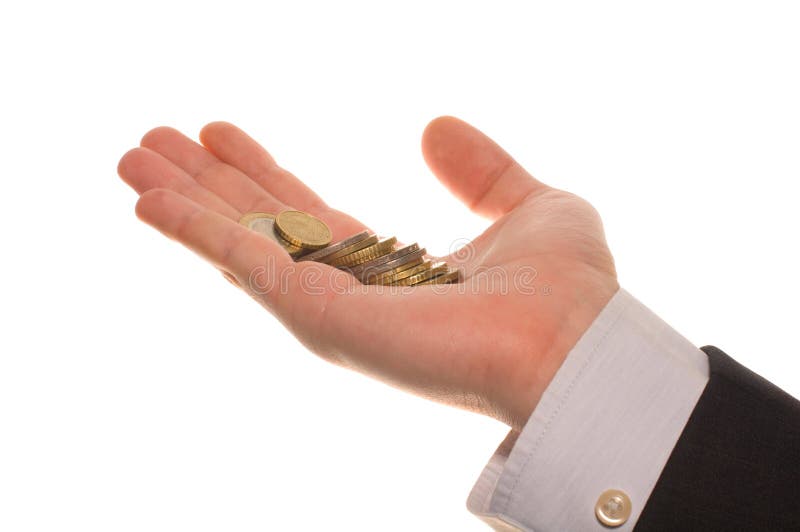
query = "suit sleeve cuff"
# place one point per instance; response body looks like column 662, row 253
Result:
column 608, row 420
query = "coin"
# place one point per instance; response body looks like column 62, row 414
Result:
column 302, row 230
column 358, row 246
column 387, row 277
column 380, row 260
column 374, row 251
column 407, row 260
column 330, row 252
column 369, row 259
column 371, row 240
column 407, row 270
column 251, row 218
column 264, row 223
column 446, row 278
column 436, row 269
column 425, row 266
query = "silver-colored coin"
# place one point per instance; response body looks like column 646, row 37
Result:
column 376, row 263
column 322, row 254
column 372, row 272
column 264, row 223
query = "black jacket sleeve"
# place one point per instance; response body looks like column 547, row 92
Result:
column 736, row 465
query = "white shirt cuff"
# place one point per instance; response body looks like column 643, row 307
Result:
column 608, row 420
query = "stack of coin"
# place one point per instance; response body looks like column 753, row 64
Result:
column 296, row 231
column 370, row 259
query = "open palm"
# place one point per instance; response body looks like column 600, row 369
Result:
column 533, row 281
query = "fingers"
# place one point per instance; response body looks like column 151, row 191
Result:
column 325, row 308
column 221, row 241
column 225, row 181
column 298, row 293
column 478, row 171
column 256, row 263
column 233, row 146
column 144, row 169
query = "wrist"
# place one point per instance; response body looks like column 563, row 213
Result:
column 577, row 313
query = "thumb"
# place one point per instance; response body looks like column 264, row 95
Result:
column 475, row 169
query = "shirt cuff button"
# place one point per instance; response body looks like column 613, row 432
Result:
column 613, row 508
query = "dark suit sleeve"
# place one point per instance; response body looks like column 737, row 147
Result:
column 736, row 465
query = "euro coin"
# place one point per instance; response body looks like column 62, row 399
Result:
column 371, row 240
column 446, row 278
column 331, row 252
column 302, row 230
column 380, row 248
column 406, row 260
column 380, row 260
column 366, row 257
column 436, row 269
column 264, row 223
column 401, row 272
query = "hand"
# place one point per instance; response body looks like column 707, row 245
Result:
column 466, row 345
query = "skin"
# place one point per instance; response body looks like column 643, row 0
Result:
column 468, row 345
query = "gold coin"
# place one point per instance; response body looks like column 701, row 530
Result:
column 447, row 278
column 436, row 269
column 390, row 262
column 406, row 262
column 425, row 266
column 363, row 255
column 329, row 252
column 382, row 264
column 264, row 223
column 401, row 272
column 352, row 248
column 302, row 230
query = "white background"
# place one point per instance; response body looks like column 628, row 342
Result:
column 140, row 391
